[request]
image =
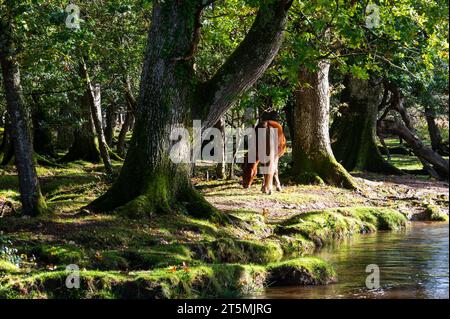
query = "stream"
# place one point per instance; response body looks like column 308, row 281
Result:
column 413, row 263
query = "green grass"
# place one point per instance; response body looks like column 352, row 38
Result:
column 405, row 162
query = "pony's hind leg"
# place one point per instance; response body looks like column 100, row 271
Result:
column 277, row 178
column 277, row 182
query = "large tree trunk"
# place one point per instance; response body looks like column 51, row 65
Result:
column 169, row 94
column 435, row 134
column 32, row 200
column 313, row 159
column 440, row 165
column 354, row 131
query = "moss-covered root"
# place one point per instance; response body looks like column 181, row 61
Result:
column 196, row 282
column 300, row 272
column 217, row 280
column 159, row 199
column 323, row 171
column 197, row 206
column 324, row 226
column 434, row 214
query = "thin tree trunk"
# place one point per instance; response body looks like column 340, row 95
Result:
column 111, row 120
column 129, row 116
column 33, row 203
column 354, row 131
column 84, row 146
column 94, row 98
column 123, row 132
column 221, row 166
column 313, row 159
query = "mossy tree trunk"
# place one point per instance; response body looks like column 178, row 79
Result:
column 313, row 159
column 33, row 203
column 170, row 95
column 354, row 131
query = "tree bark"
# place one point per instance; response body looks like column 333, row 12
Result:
column 123, row 132
column 397, row 103
column 313, row 159
column 129, row 116
column 84, row 146
column 94, row 98
column 111, row 120
column 354, row 132
column 435, row 134
column 170, row 95
column 33, row 203
column 221, row 166
column 440, row 165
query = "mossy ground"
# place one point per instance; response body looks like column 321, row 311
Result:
column 175, row 255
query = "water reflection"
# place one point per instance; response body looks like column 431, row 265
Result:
column 413, row 264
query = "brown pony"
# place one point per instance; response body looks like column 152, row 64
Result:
column 250, row 170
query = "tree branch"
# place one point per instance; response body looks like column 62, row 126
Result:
column 247, row 63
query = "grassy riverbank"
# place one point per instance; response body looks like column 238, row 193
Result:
column 175, row 256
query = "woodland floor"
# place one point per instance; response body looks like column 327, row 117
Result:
column 180, row 256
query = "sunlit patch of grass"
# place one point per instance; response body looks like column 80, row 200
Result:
column 406, row 162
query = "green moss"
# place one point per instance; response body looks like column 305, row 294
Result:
column 323, row 226
column 212, row 281
column 238, row 251
column 301, row 271
column 320, row 169
column 110, row 260
column 296, row 245
column 159, row 256
column 435, row 214
column 7, row 267
column 59, row 254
